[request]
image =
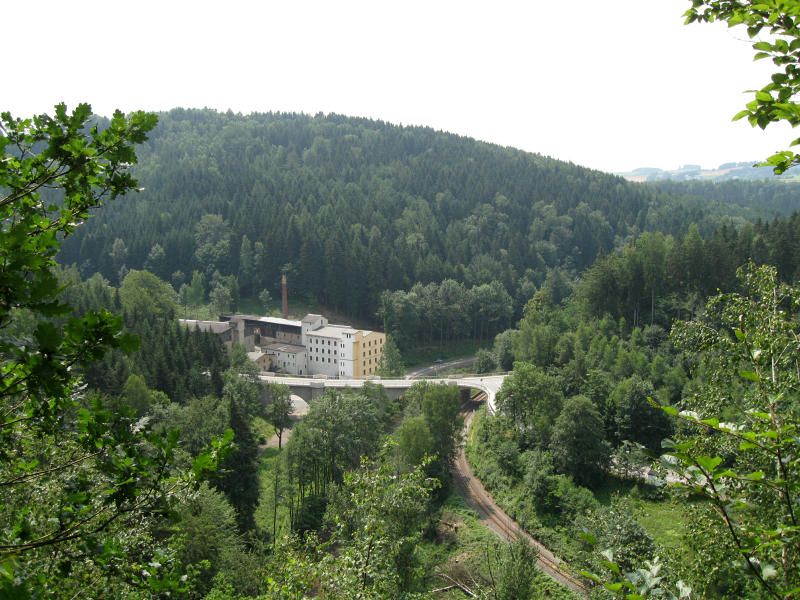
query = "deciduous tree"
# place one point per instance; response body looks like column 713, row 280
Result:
column 279, row 409
column 78, row 483
column 780, row 20
column 578, row 444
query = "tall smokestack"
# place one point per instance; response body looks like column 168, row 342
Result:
column 285, row 298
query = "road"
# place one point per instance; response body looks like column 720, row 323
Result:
column 493, row 516
column 435, row 368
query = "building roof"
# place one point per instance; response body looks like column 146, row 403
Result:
column 310, row 318
column 273, row 320
column 332, row 331
column 214, row 326
column 279, row 347
column 254, row 356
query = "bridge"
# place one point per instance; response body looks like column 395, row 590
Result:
column 309, row 388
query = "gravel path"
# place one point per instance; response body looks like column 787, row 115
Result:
column 493, row 516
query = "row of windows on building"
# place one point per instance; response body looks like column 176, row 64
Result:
column 322, row 350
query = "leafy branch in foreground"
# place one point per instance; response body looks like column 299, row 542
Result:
column 740, row 449
column 746, row 466
column 780, row 20
column 78, row 483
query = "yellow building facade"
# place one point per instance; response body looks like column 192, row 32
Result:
column 367, row 352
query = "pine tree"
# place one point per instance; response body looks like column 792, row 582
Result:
column 239, row 480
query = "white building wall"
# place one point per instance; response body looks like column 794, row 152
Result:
column 309, row 324
column 294, row 363
column 323, row 355
column 346, row 354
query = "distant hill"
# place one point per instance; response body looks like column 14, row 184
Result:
column 350, row 207
column 779, row 197
column 728, row 171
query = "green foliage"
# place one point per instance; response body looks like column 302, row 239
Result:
column 265, row 298
column 338, row 430
column 440, row 407
column 210, row 546
column 193, row 294
column 243, row 386
column 279, row 409
column 79, row 484
column 200, row 421
column 644, row 582
column 615, row 528
column 485, row 361
column 414, row 441
column 239, row 470
column 637, row 419
column 145, row 297
column 514, row 578
column 745, row 534
column 248, row 194
column 378, row 519
column 533, row 400
column 502, row 350
column 578, row 444
column 445, row 311
column 747, row 469
column 213, row 244
column 780, row 21
column 391, row 363
column 137, row 397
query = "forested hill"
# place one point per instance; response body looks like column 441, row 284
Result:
column 351, row 207
column 778, row 197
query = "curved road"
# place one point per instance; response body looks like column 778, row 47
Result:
column 438, row 367
column 493, row 516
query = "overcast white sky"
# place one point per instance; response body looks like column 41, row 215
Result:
column 609, row 85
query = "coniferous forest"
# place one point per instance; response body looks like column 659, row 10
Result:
column 349, row 208
column 640, row 325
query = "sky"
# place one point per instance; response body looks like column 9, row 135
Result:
column 607, row 85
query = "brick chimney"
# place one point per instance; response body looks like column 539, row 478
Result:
column 285, row 298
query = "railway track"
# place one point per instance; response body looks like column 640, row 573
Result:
column 493, row 516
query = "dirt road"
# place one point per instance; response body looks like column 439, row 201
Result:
column 493, row 516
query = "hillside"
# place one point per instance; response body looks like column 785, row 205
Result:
column 350, row 207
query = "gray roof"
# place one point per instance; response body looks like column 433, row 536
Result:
column 273, row 320
column 332, row 331
column 279, row 347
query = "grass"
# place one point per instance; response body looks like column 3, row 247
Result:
column 262, row 430
column 462, row 549
column 664, row 520
column 270, row 460
column 664, row 517
column 199, row 313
